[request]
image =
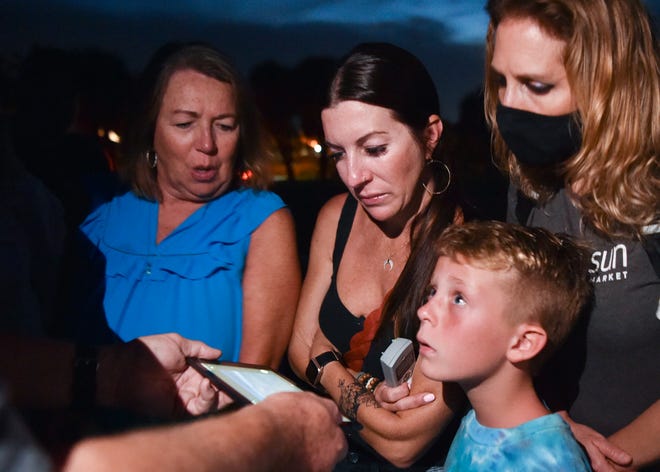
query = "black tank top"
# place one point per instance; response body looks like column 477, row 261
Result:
column 337, row 323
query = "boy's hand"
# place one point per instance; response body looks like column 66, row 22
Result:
column 604, row 455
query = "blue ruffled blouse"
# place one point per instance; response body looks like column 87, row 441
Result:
column 189, row 283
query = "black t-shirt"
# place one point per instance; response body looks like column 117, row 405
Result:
column 337, row 323
column 608, row 372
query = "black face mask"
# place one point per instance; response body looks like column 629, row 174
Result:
column 538, row 140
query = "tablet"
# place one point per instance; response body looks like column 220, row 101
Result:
column 244, row 383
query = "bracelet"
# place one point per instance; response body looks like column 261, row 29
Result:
column 368, row 381
column 83, row 388
column 360, row 377
column 363, row 378
column 371, row 384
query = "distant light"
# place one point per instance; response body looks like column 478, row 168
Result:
column 314, row 144
column 246, row 175
column 114, row 137
column 100, row 132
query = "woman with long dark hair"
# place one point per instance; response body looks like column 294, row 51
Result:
column 382, row 127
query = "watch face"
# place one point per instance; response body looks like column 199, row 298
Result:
column 312, row 372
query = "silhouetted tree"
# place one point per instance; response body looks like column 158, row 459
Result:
column 467, row 146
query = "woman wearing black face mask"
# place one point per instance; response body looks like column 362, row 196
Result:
column 573, row 98
column 572, row 93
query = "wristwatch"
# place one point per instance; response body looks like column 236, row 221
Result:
column 316, row 364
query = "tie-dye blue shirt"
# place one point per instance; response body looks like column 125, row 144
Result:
column 544, row 444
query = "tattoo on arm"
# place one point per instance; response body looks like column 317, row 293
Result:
column 352, row 395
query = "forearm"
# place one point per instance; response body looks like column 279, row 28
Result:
column 299, row 354
column 640, row 438
column 401, row 437
column 39, row 372
column 239, row 441
column 148, row 375
column 271, row 287
column 265, row 341
column 268, row 316
column 315, row 287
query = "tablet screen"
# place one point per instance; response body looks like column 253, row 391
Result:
column 253, row 383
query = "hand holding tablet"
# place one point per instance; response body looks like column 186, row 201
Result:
column 245, row 383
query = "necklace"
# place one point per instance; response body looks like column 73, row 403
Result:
column 388, row 263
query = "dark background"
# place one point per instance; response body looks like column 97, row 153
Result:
column 66, row 67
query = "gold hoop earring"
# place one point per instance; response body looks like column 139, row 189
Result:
column 152, row 158
column 439, row 192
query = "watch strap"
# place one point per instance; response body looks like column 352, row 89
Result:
column 316, row 365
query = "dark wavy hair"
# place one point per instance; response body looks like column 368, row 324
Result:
column 390, row 77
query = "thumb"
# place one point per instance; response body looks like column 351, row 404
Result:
column 199, row 349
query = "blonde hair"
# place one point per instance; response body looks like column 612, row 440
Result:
column 612, row 63
column 550, row 279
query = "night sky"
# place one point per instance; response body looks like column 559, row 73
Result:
column 447, row 35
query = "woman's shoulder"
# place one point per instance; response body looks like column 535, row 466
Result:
column 255, row 199
column 122, row 206
column 333, row 207
column 126, row 201
column 109, row 220
column 329, row 214
column 238, row 213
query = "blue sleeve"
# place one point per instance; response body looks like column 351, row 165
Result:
column 265, row 204
column 92, row 227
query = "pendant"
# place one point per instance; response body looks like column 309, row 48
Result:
column 388, row 264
